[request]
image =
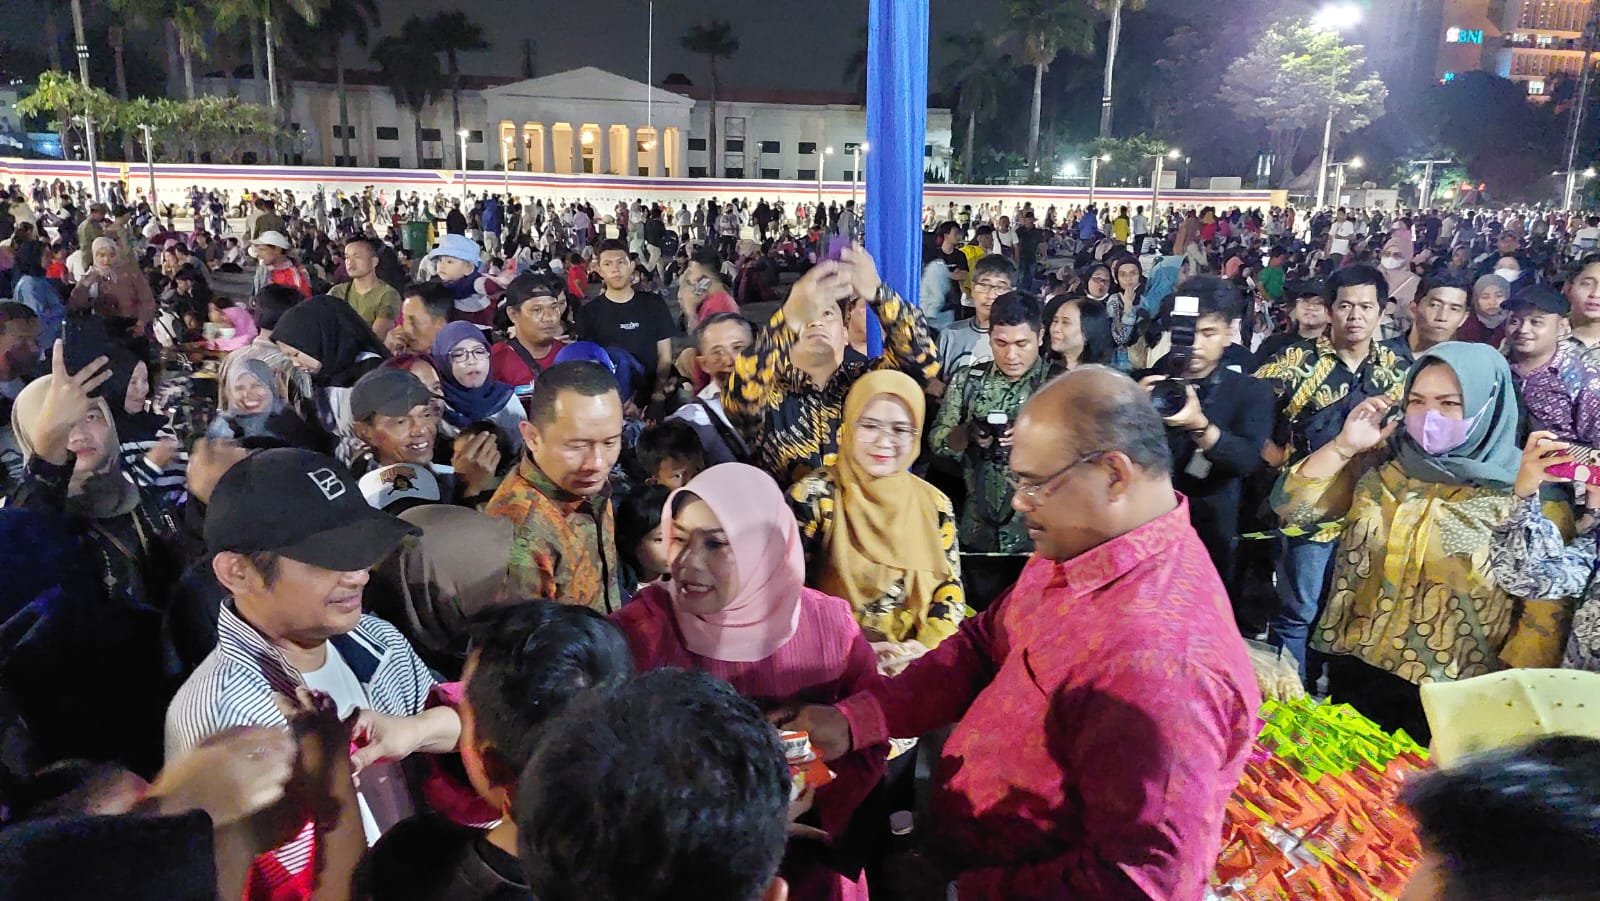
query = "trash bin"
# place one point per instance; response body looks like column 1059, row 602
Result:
column 415, row 237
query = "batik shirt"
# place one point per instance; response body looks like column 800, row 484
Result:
column 790, row 424
column 1411, row 594
column 988, row 524
column 1309, row 377
column 892, row 614
column 1563, row 396
column 1529, row 559
column 564, row 547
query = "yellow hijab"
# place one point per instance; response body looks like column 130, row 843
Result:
column 887, row 527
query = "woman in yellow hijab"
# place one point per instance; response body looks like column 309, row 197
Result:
column 878, row 536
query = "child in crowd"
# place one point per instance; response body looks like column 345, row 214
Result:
column 528, row 662
column 457, row 263
column 669, row 454
column 641, row 546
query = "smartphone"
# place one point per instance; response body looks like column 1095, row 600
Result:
column 836, row 246
column 1584, row 466
column 84, row 338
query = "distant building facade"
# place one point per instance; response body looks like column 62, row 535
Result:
column 1531, row 42
column 585, row 120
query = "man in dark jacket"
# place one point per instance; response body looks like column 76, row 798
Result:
column 1217, row 435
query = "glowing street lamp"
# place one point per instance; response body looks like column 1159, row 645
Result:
column 1334, row 17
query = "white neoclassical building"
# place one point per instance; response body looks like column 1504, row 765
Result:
column 588, row 120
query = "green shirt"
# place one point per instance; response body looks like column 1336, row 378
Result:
column 382, row 302
column 1272, row 282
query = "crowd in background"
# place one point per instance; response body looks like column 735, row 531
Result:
column 492, row 567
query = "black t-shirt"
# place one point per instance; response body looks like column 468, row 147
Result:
column 1028, row 240
column 635, row 326
column 429, row 858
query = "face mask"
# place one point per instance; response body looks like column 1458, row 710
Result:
column 1438, row 434
column 1391, row 262
column 1509, row 275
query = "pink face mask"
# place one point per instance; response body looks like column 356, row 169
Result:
column 1438, row 434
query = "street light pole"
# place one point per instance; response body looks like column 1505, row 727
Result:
column 462, row 134
column 1426, row 195
column 1331, row 18
column 1322, row 167
column 822, row 163
column 88, row 117
column 1094, row 171
column 150, row 160
column 855, row 174
column 1155, row 183
column 505, row 164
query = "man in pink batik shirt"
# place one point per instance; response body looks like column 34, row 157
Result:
column 1104, row 707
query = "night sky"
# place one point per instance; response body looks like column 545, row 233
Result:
column 784, row 44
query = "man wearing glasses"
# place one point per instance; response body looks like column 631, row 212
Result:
column 967, row 341
column 1109, row 690
column 973, row 426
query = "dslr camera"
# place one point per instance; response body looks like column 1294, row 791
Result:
column 986, row 434
column 1171, row 393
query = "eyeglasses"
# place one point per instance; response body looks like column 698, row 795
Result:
column 994, row 287
column 471, row 353
column 872, row 430
column 1033, row 492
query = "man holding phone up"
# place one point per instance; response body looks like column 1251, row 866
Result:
column 1560, row 386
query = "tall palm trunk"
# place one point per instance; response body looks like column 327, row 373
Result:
column 186, row 52
column 258, row 72
column 967, row 151
column 344, row 96
column 1033, row 118
column 455, row 104
column 114, row 39
column 1111, row 63
column 416, row 132
column 715, row 167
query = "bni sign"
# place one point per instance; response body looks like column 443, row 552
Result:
column 1455, row 35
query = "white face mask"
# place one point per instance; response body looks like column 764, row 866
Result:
column 1509, row 275
column 1391, row 262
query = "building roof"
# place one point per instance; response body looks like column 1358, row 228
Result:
column 585, row 83
column 767, row 95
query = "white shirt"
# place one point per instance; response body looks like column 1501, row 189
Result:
column 380, row 788
column 1341, row 236
column 1141, row 224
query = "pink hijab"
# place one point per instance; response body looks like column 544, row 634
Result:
column 766, row 550
column 244, row 329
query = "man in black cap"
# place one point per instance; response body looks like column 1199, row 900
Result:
column 293, row 540
column 1307, row 314
column 1559, row 383
column 397, row 417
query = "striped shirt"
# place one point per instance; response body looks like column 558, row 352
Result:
column 236, row 683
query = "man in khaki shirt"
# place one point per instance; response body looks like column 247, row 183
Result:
column 374, row 299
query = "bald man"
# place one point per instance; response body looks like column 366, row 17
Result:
column 1104, row 706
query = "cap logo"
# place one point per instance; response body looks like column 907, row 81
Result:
column 327, row 482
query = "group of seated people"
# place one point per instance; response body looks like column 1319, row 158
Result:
column 466, row 593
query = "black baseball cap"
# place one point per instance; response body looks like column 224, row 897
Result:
column 1295, row 289
column 392, row 392
column 302, row 505
column 1539, row 297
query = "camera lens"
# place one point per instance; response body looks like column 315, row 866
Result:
column 1169, row 396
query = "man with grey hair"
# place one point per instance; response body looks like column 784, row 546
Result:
column 1113, row 664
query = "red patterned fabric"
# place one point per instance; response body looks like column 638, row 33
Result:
column 1106, row 709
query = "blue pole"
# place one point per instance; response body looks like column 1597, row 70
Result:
column 897, row 121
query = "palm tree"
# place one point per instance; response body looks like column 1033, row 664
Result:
column 855, row 67
column 979, row 77
column 410, row 66
column 713, row 38
column 1116, row 7
column 452, row 34
column 342, row 18
column 1045, row 28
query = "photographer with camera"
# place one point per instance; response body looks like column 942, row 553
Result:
column 973, row 427
column 1217, row 418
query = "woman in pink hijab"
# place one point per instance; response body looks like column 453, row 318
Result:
column 736, row 606
column 1394, row 261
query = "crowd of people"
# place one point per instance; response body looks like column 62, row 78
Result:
column 539, row 562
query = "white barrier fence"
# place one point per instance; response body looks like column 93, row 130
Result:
column 173, row 181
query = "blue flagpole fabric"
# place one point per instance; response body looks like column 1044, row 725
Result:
column 897, row 120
